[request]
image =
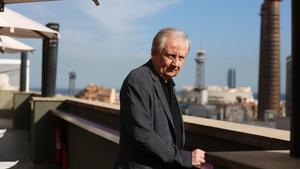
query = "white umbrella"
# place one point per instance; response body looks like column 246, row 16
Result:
column 3, row 2
column 17, row 25
column 21, row 1
column 10, row 45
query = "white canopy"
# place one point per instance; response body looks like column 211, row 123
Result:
column 10, row 45
column 17, row 25
column 21, row 1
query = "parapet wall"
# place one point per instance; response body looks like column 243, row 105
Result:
column 92, row 133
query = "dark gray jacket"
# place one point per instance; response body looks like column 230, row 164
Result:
column 147, row 134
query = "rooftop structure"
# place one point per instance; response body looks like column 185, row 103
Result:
column 200, row 63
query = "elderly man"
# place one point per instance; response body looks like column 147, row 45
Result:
column 152, row 131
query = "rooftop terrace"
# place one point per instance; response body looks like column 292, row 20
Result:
column 90, row 133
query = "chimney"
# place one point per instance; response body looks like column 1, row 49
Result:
column 269, row 63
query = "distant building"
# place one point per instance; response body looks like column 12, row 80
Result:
column 288, row 86
column 99, row 93
column 231, row 78
column 190, row 94
column 225, row 95
column 238, row 112
column 199, row 111
column 217, row 94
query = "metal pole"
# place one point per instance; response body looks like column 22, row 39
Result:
column 49, row 69
column 23, row 72
column 295, row 109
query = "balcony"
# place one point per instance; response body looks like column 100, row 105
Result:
column 90, row 133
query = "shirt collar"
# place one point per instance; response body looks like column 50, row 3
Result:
column 170, row 82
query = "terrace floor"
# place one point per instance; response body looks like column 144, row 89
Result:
column 15, row 148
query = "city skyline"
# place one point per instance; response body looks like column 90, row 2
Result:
column 116, row 37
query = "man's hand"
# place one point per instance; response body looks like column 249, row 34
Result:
column 198, row 158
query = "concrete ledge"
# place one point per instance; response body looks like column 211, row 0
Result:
column 47, row 99
column 97, row 112
column 260, row 137
column 240, row 136
column 253, row 160
column 88, row 125
column 241, row 128
column 96, row 105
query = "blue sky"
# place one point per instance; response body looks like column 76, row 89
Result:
column 103, row 43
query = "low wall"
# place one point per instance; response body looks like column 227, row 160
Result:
column 92, row 136
column 6, row 108
column 42, row 129
column 6, row 99
column 22, row 110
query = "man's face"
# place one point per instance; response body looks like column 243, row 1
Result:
column 170, row 59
